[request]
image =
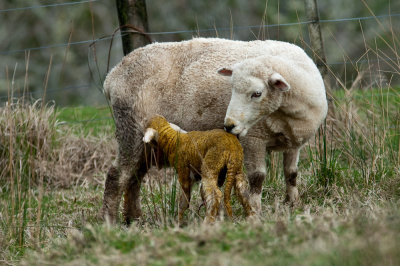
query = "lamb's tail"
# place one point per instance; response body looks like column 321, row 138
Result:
column 230, row 180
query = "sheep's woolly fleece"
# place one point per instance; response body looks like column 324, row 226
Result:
column 180, row 81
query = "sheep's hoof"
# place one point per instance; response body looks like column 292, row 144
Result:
column 106, row 217
column 292, row 196
column 253, row 219
column 255, row 202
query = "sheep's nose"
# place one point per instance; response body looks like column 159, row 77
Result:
column 228, row 128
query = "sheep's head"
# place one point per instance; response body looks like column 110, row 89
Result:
column 257, row 91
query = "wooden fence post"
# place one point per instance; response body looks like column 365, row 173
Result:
column 317, row 44
column 134, row 13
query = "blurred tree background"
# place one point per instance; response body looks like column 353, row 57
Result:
column 77, row 70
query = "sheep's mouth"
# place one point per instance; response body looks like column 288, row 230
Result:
column 243, row 132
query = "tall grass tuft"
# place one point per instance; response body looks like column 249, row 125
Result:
column 27, row 133
column 38, row 154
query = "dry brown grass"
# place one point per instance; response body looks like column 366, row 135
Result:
column 30, row 136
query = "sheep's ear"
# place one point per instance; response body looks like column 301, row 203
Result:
column 225, row 72
column 278, row 82
column 150, row 135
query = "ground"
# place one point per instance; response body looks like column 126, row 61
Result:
column 52, row 172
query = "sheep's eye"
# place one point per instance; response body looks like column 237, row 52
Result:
column 256, row 94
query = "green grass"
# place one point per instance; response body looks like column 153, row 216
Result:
column 87, row 119
column 294, row 239
column 348, row 212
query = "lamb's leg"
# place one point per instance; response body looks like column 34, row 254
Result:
column 186, row 185
column 132, row 209
column 213, row 198
column 212, row 194
column 232, row 171
column 290, row 160
column 242, row 193
column 254, row 158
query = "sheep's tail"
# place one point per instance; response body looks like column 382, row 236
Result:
column 106, row 90
column 230, row 180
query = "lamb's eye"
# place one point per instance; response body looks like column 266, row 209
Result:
column 256, row 94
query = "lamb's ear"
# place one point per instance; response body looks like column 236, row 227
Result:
column 150, row 135
column 225, row 72
column 278, row 82
column 177, row 128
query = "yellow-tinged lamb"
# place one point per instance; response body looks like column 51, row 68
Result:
column 207, row 153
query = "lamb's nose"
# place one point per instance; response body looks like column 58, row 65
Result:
column 228, row 128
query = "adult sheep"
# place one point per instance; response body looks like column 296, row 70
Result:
column 187, row 83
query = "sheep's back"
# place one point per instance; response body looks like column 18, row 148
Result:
column 180, row 80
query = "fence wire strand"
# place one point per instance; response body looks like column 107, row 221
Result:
column 105, row 38
column 202, row 30
column 47, row 5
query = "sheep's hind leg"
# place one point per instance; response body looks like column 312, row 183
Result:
column 109, row 210
column 290, row 160
column 116, row 183
column 132, row 209
column 130, row 154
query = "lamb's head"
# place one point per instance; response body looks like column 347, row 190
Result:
column 156, row 125
column 153, row 127
column 257, row 91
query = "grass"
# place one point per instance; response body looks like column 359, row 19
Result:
column 52, row 183
column 92, row 120
column 52, row 169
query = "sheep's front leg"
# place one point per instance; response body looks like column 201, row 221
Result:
column 254, row 159
column 186, row 185
column 290, row 160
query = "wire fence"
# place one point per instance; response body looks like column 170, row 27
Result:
column 47, row 5
column 6, row 52
column 220, row 29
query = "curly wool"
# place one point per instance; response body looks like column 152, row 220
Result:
column 205, row 152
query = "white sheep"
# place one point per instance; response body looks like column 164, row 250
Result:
column 181, row 82
column 204, row 152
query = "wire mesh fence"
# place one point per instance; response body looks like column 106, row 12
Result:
column 90, row 43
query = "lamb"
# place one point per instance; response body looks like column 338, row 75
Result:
column 207, row 153
column 182, row 82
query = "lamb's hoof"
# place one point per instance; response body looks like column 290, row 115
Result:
column 209, row 220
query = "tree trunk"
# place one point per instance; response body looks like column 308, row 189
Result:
column 317, row 44
column 132, row 13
